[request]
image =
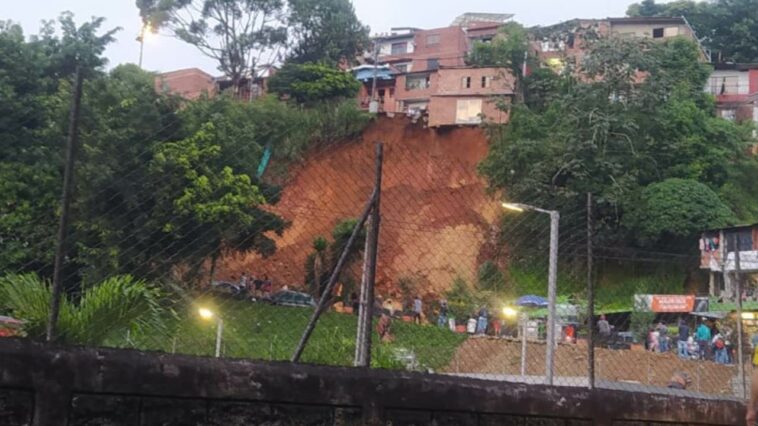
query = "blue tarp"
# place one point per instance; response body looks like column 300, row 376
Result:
column 264, row 161
column 532, row 301
column 366, row 73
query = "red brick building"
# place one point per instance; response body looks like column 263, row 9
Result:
column 430, row 76
column 190, row 83
column 735, row 87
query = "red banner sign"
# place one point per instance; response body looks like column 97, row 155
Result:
column 673, row 303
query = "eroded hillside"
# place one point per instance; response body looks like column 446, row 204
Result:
column 436, row 216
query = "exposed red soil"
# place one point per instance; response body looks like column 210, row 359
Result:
column 503, row 357
column 436, row 216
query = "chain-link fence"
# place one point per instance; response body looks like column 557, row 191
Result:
column 182, row 255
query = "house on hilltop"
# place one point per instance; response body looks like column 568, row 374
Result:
column 718, row 255
column 424, row 73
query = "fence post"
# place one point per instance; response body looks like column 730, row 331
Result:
column 590, row 299
column 365, row 316
column 738, row 276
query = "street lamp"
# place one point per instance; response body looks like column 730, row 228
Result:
column 145, row 32
column 207, row 314
column 552, row 281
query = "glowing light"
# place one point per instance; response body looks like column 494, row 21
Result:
column 509, row 312
column 748, row 315
column 147, row 33
column 514, row 207
column 205, row 313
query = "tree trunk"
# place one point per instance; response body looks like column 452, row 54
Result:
column 317, row 265
column 214, row 260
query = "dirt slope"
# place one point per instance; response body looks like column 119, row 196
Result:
column 436, row 215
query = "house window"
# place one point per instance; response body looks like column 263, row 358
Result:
column 432, row 39
column 466, row 82
column 402, row 67
column 486, row 82
column 658, row 32
column 729, row 114
column 418, row 81
column 468, row 111
column 432, row 63
column 399, row 48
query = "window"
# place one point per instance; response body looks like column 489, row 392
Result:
column 432, row 39
column 418, row 81
column 658, row 32
column 466, row 82
column 468, row 111
column 486, row 82
column 729, row 114
column 432, row 64
column 399, row 48
column 402, row 67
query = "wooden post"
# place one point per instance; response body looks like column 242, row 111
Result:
column 68, row 187
column 738, row 277
column 590, row 300
column 365, row 316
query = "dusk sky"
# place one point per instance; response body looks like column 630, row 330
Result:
column 163, row 53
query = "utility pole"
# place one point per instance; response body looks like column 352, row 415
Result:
column 738, row 276
column 552, row 285
column 363, row 335
column 590, row 299
column 68, row 186
column 374, row 105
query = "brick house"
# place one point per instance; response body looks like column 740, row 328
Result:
column 429, row 73
column 190, row 83
column 735, row 87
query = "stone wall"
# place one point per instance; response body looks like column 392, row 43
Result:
column 47, row 385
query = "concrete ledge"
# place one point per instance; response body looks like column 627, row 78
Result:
column 73, row 385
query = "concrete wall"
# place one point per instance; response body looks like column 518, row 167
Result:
column 45, row 385
column 189, row 83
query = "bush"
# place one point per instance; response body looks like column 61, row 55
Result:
column 313, row 83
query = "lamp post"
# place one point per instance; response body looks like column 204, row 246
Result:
column 207, row 314
column 145, row 31
column 552, row 281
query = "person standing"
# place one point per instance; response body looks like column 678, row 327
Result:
column 481, row 323
column 663, row 343
column 417, row 309
column 604, row 330
column 703, row 337
column 442, row 320
column 243, row 282
column 683, row 335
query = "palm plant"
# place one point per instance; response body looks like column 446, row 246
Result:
column 104, row 315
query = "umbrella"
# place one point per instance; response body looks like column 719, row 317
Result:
column 10, row 321
column 532, row 301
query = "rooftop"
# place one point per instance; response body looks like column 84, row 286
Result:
column 471, row 17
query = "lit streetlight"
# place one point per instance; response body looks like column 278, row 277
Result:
column 146, row 32
column 207, row 314
column 552, row 281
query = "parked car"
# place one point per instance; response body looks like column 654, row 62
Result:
column 291, row 298
column 227, row 289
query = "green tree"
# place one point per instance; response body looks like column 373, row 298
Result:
column 490, row 278
column 728, row 27
column 103, row 315
column 204, row 206
column 676, row 209
column 609, row 133
column 235, row 33
column 325, row 31
column 507, row 50
column 313, row 83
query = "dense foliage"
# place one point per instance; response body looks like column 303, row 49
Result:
column 728, row 27
column 311, row 83
column 635, row 119
column 325, row 31
column 163, row 187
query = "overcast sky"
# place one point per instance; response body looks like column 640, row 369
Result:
column 164, row 53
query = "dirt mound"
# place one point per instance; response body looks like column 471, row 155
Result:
column 435, row 213
column 501, row 356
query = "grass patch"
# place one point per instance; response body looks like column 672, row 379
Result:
column 264, row 332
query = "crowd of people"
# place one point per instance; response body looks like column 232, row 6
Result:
column 257, row 287
column 706, row 342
